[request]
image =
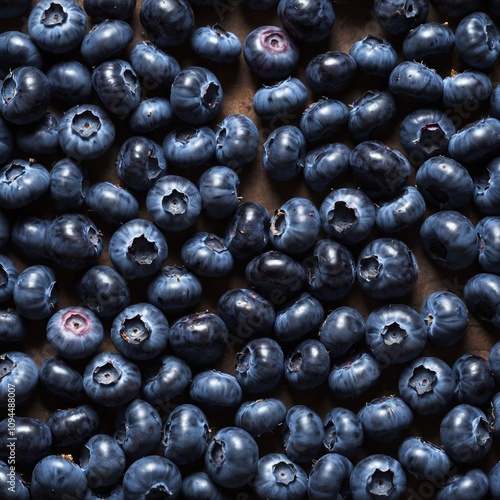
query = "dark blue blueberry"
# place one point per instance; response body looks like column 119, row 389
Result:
column 329, row 478
column 109, row 9
column 446, row 318
column 60, row 379
column 495, row 102
column 400, row 16
column 487, row 188
column 472, row 484
column 343, row 432
column 57, row 476
column 218, row 188
column 466, row 90
column 260, row 416
column 494, row 480
column 427, row 385
column 374, row 56
column 395, row 333
column 449, row 239
column 283, row 153
column 36, row 292
column 10, row 9
column 330, row 73
column 215, row 44
column 40, row 137
column 465, row 434
column 70, row 82
column 456, row 8
column 111, row 380
column 416, row 82
column 152, row 476
column 259, row 365
column 5, row 228
column 85, row 132
column 428, row 40
column 199, row 486
column 323, row 119
column 8, row 277
column 138, row 429
column 215, row 391
column 6, row 141
column 167, row 23
column 13, row 328
column 198, row 332
column 106, row 40
column 69, row 182
column 270, row 52
column 475, row 384
column 279, row 477
column 28, row 237
column 18, row 49
column 150, row 114
column 482, row 296
column 488, row 232
column 185, row 434
column 20, row 371
column 477, row 40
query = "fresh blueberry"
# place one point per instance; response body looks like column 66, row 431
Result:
column 199, row 486
column 150, row 114
column 471, row 484
column 330, row 73
column 12, row 485
column 374, row 56
column 28, row 237
column 329, row 478
column 494, row 480
column 109, row 9
column 218, row 188
column 398, row 17
column 343, row 432
column 19, row 370
column 215, row 391
column 481, row 295
column 40, row 137
column 70, row 82
column 475, row 383
column 215, row 44
column 494, row 361
column 260, row 416
column 487, row 188
column 13, row 328
column 18, row 49
column 466, row 90
column 8, row 277
column 60, row 379
column 495, row 102
column 488, row 232
column 69, row 182
column 428, row 40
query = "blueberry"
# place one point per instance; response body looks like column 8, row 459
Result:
column 493, row 477
column 343, row 433
column 260, row 416
column 481, row 295
column 329, row 478
column 488, row 231
column 60, row 379
column 218, row 188
column 374, row 56
column 150, row 114
column 70, row 82
column 8, row 277
column 475, row 383
column 6, row 140
column 487, row 189
column 400, row 16
column 109, row 9
column 215, row 44
column 323, row 119
column 18, row 49
column 19, row 370
column 428, row 40
column 494, row 360
column 495, row 102
column 330, row 73
column 69, row 182
column 456, row 8
column 471, row 484
column 466, row 90
column 12, row 483
column 28, row 237
column 40, row 137
column 198, row 486
column 13, row 328
column 215, row 391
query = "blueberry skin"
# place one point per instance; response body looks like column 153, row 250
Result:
column 218, row 188
column 21, row 183
column 165, row 378
column 198, row 332
column 70, row 82
column 138, row 428
column 259, row 365
column 494, row 360
column 401, row 212
column 40, row 137
column 33, row 439
column 168, row 24
column 476, row 141
column 347, row 215
column 474, row 380
column 68, row 185
column 330, row 73
column 281, row 99
column 174, row 203
column 18, row 49
column 302, row 434
column 260, row 416
column 103, row 290
column 428, row 40
column 236, row 141
column 21, row 491
column 215, row 391
column 477, row 40
column 36, row 292
column 495, row 102
column 343, row 432
column 19, row 370
column 384, row 419
column 85, row 132
column 60, row 379
column 324, row 164
column 487, row 189
column 398, row 17
column 329, row 477
column 6, row 141
column 13, row 328
column 470, row 485
column 106, row 40
column 109, row 9
column 488, row 231
column 323, row 119
column 28, row 237
column 185, row 434
column 444, row 183
column 465, row 434
column 278, row 477
column 140, row 331
column 374, row 56
column 196, row 95
column 111, row 380
column 8, row 277
column 466, row 89
column 56, row 476
column 57, row 27
column 150, row 114
column 493, row 477
column 449, row 239
column 379, row 170
column 215, row 44
column 270, row 52
column 481, row 295
column 446, row 318
column 417, row 82
column 371, row 114
column 423, row 459
column 198, row 486
column 150, row 476
column 138, row 249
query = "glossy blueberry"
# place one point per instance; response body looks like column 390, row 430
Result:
column 481, row 295
column 28, row 237
column 283, row 153
column 465, row 434
column 138, row 428
column 471, row 484
column 150, row 114
column 55, row 476
column 494, row 361
column 13, row 328
column 323, row 119
column 494, row 480
column 85, row 132
column 6, row 140
column 152, row 476
column 260, row 416
column 487, row 188
column 185, row 434
column 330, row 73
column 488, row 231
column 110, row 379
column 343, row 432
column 236, row 141
column 40, row 137
column 198, row 486
column 36, row 292
column 198, row 332
column 371, row 114
column 167, row 23
column 218, row 188
column 329, row 478
column 215, row 391
column 374, row 56
column 215, row 44
column 428, row 40
column 60, row 379
column 279, row 477
column 69, row 182
column 466, row 89
column 12, row 485
column 70, row 82
column 259, row 365
column 8, row 277
column 417, row 82
column 18, row 49
column 446, row 318
column 400, row 16
column 19, row 370
column 449, row 239
column 109, row 9
column 475, row 384
column 270, row 52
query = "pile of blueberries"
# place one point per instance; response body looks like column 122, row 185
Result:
column 134, row 366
